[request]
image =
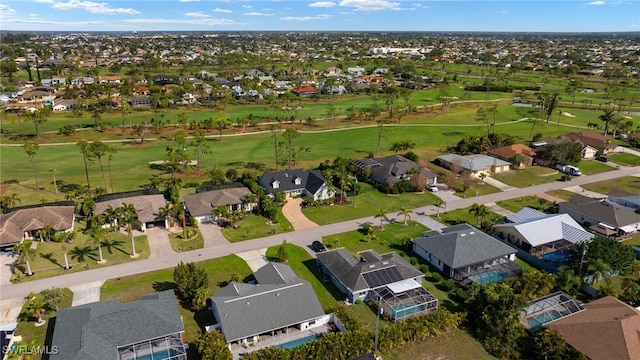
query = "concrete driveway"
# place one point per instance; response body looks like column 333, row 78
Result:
column 212, row 235
column 159, row 242
column 255, row 258
column 86, row 293
column 292, row 210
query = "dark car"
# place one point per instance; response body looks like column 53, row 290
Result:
column 565, row 178
column 318, row 246
column 602, row 158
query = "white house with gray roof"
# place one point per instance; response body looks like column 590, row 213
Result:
column 277, row 302
column 476, row 164
column 296, row 182
column 200, row 204
column 602, row 216
column 540, row 233
column 465, row 254
column 151, row 328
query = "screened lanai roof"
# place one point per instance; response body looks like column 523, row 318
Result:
column 549, row 308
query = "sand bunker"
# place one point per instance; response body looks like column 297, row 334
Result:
column 568, row 114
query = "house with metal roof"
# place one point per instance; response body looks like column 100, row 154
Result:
column 296, row 183
column 388, row 280
column 465, row 254
column 151, row 328
column 607, row 329
column 278, row 302
column 539, row 233
column 394, row 168
column 602, row 216
column 23, row 223
column 476, row 164
column 200, row 204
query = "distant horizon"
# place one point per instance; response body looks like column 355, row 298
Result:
column 485, row 16
column 324, row 31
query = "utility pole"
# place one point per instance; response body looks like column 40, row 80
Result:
column 379, row 312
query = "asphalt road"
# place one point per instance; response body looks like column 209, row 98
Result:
column 302, row 237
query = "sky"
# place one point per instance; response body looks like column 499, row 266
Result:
column 332, row 15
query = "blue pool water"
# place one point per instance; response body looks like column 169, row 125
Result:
column 488, row 277
column 161, row 355
column 557, row 257
column 538, row 321
column 299, row 342
column 405, row 310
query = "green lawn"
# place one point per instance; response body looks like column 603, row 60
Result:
column 562, row 194
column 178, row 244
column 517, row 204
column 305, row 267
column 131, row 288
column 256, row 226
column 50, row 258
column 458, row 216
column 624, row 159
column 30, row 332
column 592, row 167
column 629, row 183
column 532, row 175
column 367, row 202
column 391, row 239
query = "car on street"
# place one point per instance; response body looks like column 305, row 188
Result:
column 318, row 246
column 565, row 178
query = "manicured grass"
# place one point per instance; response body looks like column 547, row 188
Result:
column 178, row 244
column 532, row 175
column 634, row 240
column 131, row 288
column 50, row 259
column 367, row 202
column 463, row 216
column 592, row 167
column 305, row 267
column 37, row 334
column 256, row 226
column 562, row 194
column 628, row 183
column 517, row 204
column 624, row 159
column 392, row 238
column 457, row 344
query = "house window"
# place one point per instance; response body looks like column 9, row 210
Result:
column 275, row 184
column 297, row 181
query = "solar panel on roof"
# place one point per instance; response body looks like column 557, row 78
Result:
column 382, row 276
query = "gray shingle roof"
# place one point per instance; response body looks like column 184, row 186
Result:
column 463, row 245
column 14, row 224
column 280, row 299
column 201, row 204
column 391, row 169
column 349, row 271
column 147, row 206
column 96, row 330
column 311, row 180
column 606, row 212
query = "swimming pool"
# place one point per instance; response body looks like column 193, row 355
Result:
column 557, row 257
column 538, row 321
column 405, row 310
column 299, row 342
column 488, row 277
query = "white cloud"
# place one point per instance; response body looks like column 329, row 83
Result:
column 197, row 14
column 200, row 21
column 503, row 12
column 44, row 1
column 306, row 18
column 6, row 9
column 92, row 7
column 247, row 6
column 371, row 5
column 323, row 4
column 221, row 10
column 255, row 13
column 189, row 0
column 597, row 3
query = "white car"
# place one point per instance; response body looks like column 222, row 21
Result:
column 433, row 188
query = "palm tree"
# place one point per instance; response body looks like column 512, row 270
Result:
column 65, row 248
column 31, row 148
column 25, row 254
column 383, row 217
column 55, row 183
column 9, row 201
column 438, row 204
column 37, row 308
column 130, row 218
column 86, row 158
column 97, row 235
column 406, row 213
column 112, row 214
column 45, row 232
column 479, row 211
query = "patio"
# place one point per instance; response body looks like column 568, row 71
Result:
column 279, row 338
column 404, row 299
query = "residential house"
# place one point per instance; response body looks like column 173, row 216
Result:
column 332, row 71
column 254, row 73
column 140, row 101
column 23, row 222
column 624, row 198
column 391, row 169
column 607, row 329
column 150, row 328
column 278, row 302
column 296, row 183
column 80, row 81
column 602, row 216
column 465, row 254
column 200, row 204
column 601, row 143
column 305, row 91
column 64, row 105
column 387, row 280
column 54, row 82
column 109, row 79
column 356, row 71
column 539, row 233
column 518, row 154
column 163, row 79
column 549, row 308
column 146, row 203
column 141, row 90
column 476, row 164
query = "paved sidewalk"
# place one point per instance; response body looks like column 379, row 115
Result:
column 255, row 258
column 212, row 235
column 159, row 243
column 86, row 293
column 498, row 184
column 498, row 209
column 292, row 210
column 7, row 260
column 582, row 191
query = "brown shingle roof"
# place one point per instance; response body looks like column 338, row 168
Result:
column 608, row 329
column 14, row 224
column 201, row 204
column 597, row 141
column 147, row 206
column 507, row 152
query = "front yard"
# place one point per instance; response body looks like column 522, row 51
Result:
column 459, row 216
column 532, row 175
column 533, row 202
column 628, row 183
column 180, row 244
column 624, row 159
column 256, row 226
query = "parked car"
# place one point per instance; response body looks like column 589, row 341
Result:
column 565, row 178
column 602, row 158
column 318, row 246
column 433, row 188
